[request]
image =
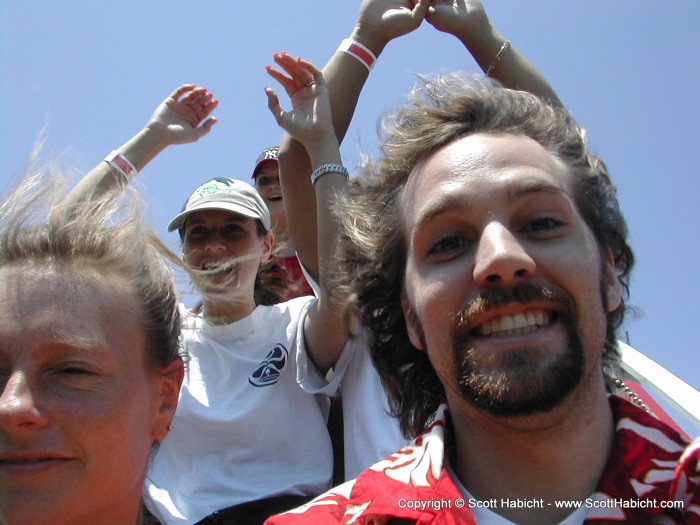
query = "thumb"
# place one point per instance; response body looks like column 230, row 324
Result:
column 273, row 104
column 208, row 124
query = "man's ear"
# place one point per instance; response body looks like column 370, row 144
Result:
column 611, row 281
column 413, row 327
column 167, row 393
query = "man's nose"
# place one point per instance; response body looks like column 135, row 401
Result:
column 501, row 258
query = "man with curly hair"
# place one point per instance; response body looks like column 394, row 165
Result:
column 487, row 257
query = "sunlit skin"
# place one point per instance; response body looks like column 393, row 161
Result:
column 213, row 237
column 81, row 404
column 267, row 182
column 489, row 212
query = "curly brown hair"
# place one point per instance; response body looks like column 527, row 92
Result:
column 440, row 110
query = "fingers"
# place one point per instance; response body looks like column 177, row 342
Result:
column 199, row 100
column 287, row 83
column 175, row 95
column 301, row 73
column 273, row 104
column 206, row 107
column 420, row 9
column 316, row 74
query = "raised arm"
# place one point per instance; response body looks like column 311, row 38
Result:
column 378, row 22
column 310, row 123
column 183, row 117
column 468, row 22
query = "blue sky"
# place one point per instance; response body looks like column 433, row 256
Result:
column 92, row 72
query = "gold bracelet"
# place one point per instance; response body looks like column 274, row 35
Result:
column 503, row 49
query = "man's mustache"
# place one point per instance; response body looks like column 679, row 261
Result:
column 523, row 293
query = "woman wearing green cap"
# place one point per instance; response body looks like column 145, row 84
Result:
column 247, row 441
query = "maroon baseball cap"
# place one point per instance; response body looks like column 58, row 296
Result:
column 267, row 155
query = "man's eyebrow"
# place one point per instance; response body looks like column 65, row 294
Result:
column 529, row 186
column 445, row 204
column 453, row 202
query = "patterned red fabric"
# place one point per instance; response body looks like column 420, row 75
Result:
column 650, row 465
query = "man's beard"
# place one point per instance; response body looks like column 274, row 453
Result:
column 518, row 385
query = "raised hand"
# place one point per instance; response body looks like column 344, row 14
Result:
column 310, row 120
column 185, row 116
column 461, row 18
column 380, row 21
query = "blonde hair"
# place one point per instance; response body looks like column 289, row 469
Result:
column 105, row 235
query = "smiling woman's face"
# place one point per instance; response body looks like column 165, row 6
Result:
column 80, row 405
column 267, row 183
column 215, row 237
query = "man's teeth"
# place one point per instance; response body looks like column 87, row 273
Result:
column 520, row 323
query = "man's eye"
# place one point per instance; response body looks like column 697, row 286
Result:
column 542, row 225
column 447, row 244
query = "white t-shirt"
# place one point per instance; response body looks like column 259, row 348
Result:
column 244, row 429
column 370, row 433
column 485, row 516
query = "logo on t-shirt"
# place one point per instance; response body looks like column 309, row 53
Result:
column 269, row 371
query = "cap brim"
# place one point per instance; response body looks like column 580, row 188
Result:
column 260, row 164
column 179, row 221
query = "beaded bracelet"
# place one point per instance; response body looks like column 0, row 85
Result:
column 503, row 49
column 328, row 168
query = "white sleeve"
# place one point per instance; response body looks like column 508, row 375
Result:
column 308, row 376
column 314, row 285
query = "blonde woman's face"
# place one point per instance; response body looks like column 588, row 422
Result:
column 79, row 406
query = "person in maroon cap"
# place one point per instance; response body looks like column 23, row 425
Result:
column 288, row 277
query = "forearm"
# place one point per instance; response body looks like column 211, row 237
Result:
column 327, row 332
column 326, row 152
column 182, row 117
column 512, row 70
column 141, row 149
column 345, row 77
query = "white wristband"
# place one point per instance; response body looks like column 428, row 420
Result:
column 359, row 51
column 328, row 168
column 120, row 163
